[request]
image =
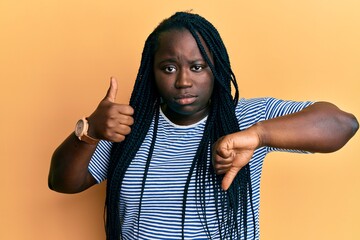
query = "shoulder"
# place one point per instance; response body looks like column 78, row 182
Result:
column 246, row 104
column 252, row 110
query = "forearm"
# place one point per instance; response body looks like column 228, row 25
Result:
column 321, row 127
column 69, row 166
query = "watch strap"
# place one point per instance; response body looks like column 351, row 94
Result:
column 86, row 138
column 83, row 135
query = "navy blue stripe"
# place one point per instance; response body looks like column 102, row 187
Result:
column 173, row 153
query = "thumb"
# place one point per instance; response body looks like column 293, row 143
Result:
column 229, row 177
column 112, row 91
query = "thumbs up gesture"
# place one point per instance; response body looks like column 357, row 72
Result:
column 111, row 121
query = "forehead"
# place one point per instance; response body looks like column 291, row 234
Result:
column 179, row 41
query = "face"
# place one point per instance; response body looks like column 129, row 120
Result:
column 183, row 78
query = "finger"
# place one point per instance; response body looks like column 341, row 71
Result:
column 117, row 138
column 125, row 120
column 223, row 166
column 125, row 110
column 222, row 169
column 112, row 91
column 229, row 177
column 123, row 129
column 223, row 147
column 221, row 172
column 220, row 160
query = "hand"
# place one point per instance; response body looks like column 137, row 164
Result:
column 232, row 152
column 111, row 121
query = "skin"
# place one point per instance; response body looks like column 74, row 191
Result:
column 183, row 78
column 321, row 127
column 186, row 83
column 69, row 164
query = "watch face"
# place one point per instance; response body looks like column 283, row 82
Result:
column 79, row 127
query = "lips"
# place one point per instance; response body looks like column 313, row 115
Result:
column 185, row 99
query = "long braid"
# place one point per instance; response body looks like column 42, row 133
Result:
column 221, row 121
column 147, row 166
column 228, row 125
column 124, row 152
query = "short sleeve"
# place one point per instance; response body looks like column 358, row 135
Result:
column 277, row 108
column 99, row 163
column 253, row 110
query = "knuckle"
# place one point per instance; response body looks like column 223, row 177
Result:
column 127, row 120
column 126, row 109
column 120, row 138
column 108, row 133
column 128, row 131
column 111, row 108
column 131, row 120
column 108, row 124
column 124, row 129
column 222, row 151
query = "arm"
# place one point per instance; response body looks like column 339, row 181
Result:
column 69, row 164
column 321, row 127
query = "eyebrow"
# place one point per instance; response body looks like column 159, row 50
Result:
column 166, row 60
column 173, row 60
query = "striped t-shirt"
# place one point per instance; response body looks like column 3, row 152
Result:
column 174, row 150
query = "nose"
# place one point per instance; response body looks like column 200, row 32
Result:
column 183, row 79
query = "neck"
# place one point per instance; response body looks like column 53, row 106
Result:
column 184, row 119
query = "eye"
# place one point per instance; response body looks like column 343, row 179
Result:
column 169, row 69
column 197, row 68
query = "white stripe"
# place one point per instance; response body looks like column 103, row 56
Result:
column 172, row 157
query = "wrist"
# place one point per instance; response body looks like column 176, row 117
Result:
column 81, row 131
column 258, row 132
column 90, row 130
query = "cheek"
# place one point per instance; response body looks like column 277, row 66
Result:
column 162, row 84
column 158, row 80
column 211, row 86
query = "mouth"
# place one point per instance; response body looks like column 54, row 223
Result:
column 185, row 99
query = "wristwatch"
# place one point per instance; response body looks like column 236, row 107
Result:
column 81, row 131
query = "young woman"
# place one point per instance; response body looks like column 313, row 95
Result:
column 183, row 160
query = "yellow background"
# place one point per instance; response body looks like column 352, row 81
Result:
column 56, row 58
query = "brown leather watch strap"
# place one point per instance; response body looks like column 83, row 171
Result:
column 89, row 139
column 81, row 131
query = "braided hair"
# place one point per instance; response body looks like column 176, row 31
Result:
column 231, row 206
